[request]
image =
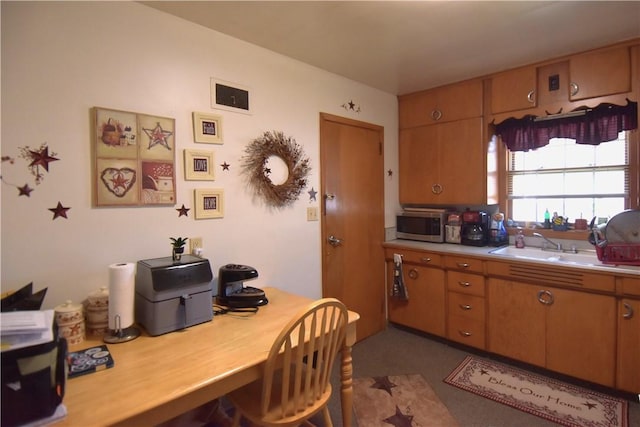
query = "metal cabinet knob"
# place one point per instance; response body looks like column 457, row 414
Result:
column 629, row 311
column 574, row 88
column 545, row 297
column 531, row 96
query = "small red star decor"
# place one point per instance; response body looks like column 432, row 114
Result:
column 183, row 211
column 59, row 211
column 25, row 190
column 389, row 172
column 159, row 136
column 225, row 166
column 42, row 158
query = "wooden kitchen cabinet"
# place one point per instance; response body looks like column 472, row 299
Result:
column 443, row 164
column 514, row 90
column 443, row 104
column 424, row 280
column 566, row 331
column 466, row 302
column 628, row 372
column 600, row 73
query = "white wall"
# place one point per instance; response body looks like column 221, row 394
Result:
column 60, row 59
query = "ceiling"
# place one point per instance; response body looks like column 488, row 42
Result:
column 405, row 46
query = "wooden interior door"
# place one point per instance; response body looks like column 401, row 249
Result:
column 352, row 192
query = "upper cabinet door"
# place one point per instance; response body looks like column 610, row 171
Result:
column 440, row 105
column 514, row 90
column 600, row 73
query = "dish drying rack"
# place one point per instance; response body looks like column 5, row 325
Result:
column 619, row 253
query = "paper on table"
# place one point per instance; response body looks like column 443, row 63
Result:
column 18, row 322
column 28, row 338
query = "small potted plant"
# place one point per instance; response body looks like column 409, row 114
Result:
column 178, row 247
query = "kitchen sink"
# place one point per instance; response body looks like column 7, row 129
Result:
column 580, row 258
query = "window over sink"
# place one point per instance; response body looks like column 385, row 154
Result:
column 572, row 180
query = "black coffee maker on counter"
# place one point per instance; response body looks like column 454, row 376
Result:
column 475, row 228
column 231, row 289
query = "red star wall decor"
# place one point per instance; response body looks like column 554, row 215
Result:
column 41, row 158
column 157, row 136
column 59, row 211
column 25, row 190
column 225, row 166
column 183, row 211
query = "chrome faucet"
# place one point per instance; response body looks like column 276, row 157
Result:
column 557, row 245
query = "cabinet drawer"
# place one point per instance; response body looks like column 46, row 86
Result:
column 466, row 331
column 472, row 284
column 415, row 257
column 467, row 306
column 464, row 263
column 630, row 286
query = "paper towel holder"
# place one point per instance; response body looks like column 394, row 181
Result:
column 119, row 334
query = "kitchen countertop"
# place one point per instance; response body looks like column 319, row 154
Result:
column 484, row 252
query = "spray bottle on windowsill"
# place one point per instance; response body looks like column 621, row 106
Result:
column 520, row 239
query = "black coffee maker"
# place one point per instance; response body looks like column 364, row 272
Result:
column 231, row 289
column 475, row 228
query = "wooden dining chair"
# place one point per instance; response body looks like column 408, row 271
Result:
column 296, row 382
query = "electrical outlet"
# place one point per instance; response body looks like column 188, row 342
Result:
column 312, row 213
column 194, row 244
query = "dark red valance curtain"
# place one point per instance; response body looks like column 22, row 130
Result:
column 600, row 124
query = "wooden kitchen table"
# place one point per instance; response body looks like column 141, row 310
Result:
column 157, row 378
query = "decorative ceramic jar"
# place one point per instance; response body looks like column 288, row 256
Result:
column 70, row 320
column 98, row 312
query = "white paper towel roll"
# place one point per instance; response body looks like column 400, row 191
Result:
column 121, row 294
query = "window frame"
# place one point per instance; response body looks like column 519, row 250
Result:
column 631, row 202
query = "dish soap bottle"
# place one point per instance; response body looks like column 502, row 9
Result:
column 520, row 240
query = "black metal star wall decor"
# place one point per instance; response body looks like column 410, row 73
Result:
column 350, row 106
column 312, row 195
column 183, row 211
column 225, row 166
column 389, row 173
column 59, row 211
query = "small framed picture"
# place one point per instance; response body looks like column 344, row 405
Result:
column 198, row 165
column 209, row 203
column 207, row 128
column 230, row 96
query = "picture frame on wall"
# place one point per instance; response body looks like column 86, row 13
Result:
column 207, row 128
column 198, row 165
column 133, row 158
column 230, row 96
column 209, row 203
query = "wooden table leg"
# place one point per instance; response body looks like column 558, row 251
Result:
column 346, row 390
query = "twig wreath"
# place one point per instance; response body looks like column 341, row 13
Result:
column 254, row 166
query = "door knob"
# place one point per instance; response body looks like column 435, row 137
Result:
column 333, row 241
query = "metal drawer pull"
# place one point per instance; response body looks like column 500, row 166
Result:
column 464, row 333
column 574, row 88
column 629, row 311
column 545, row 297
column 413, row 273
column 425, row 259
column 463, row 264
column 464, row 306
column 530, row 97
column 436, row 188
column 436, row 115
column 464, row 284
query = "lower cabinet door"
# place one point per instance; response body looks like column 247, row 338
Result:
column 425, row 308
column 628, row 372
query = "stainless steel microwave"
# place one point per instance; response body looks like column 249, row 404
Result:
column 425, row 225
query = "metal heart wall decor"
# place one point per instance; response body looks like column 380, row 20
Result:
column 118, row 181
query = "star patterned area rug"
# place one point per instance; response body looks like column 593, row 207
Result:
column 399, row 401
column 562, row 403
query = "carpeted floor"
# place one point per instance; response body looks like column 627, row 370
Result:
column 397, row 351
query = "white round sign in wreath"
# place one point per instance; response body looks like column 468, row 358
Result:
column 255, row 164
